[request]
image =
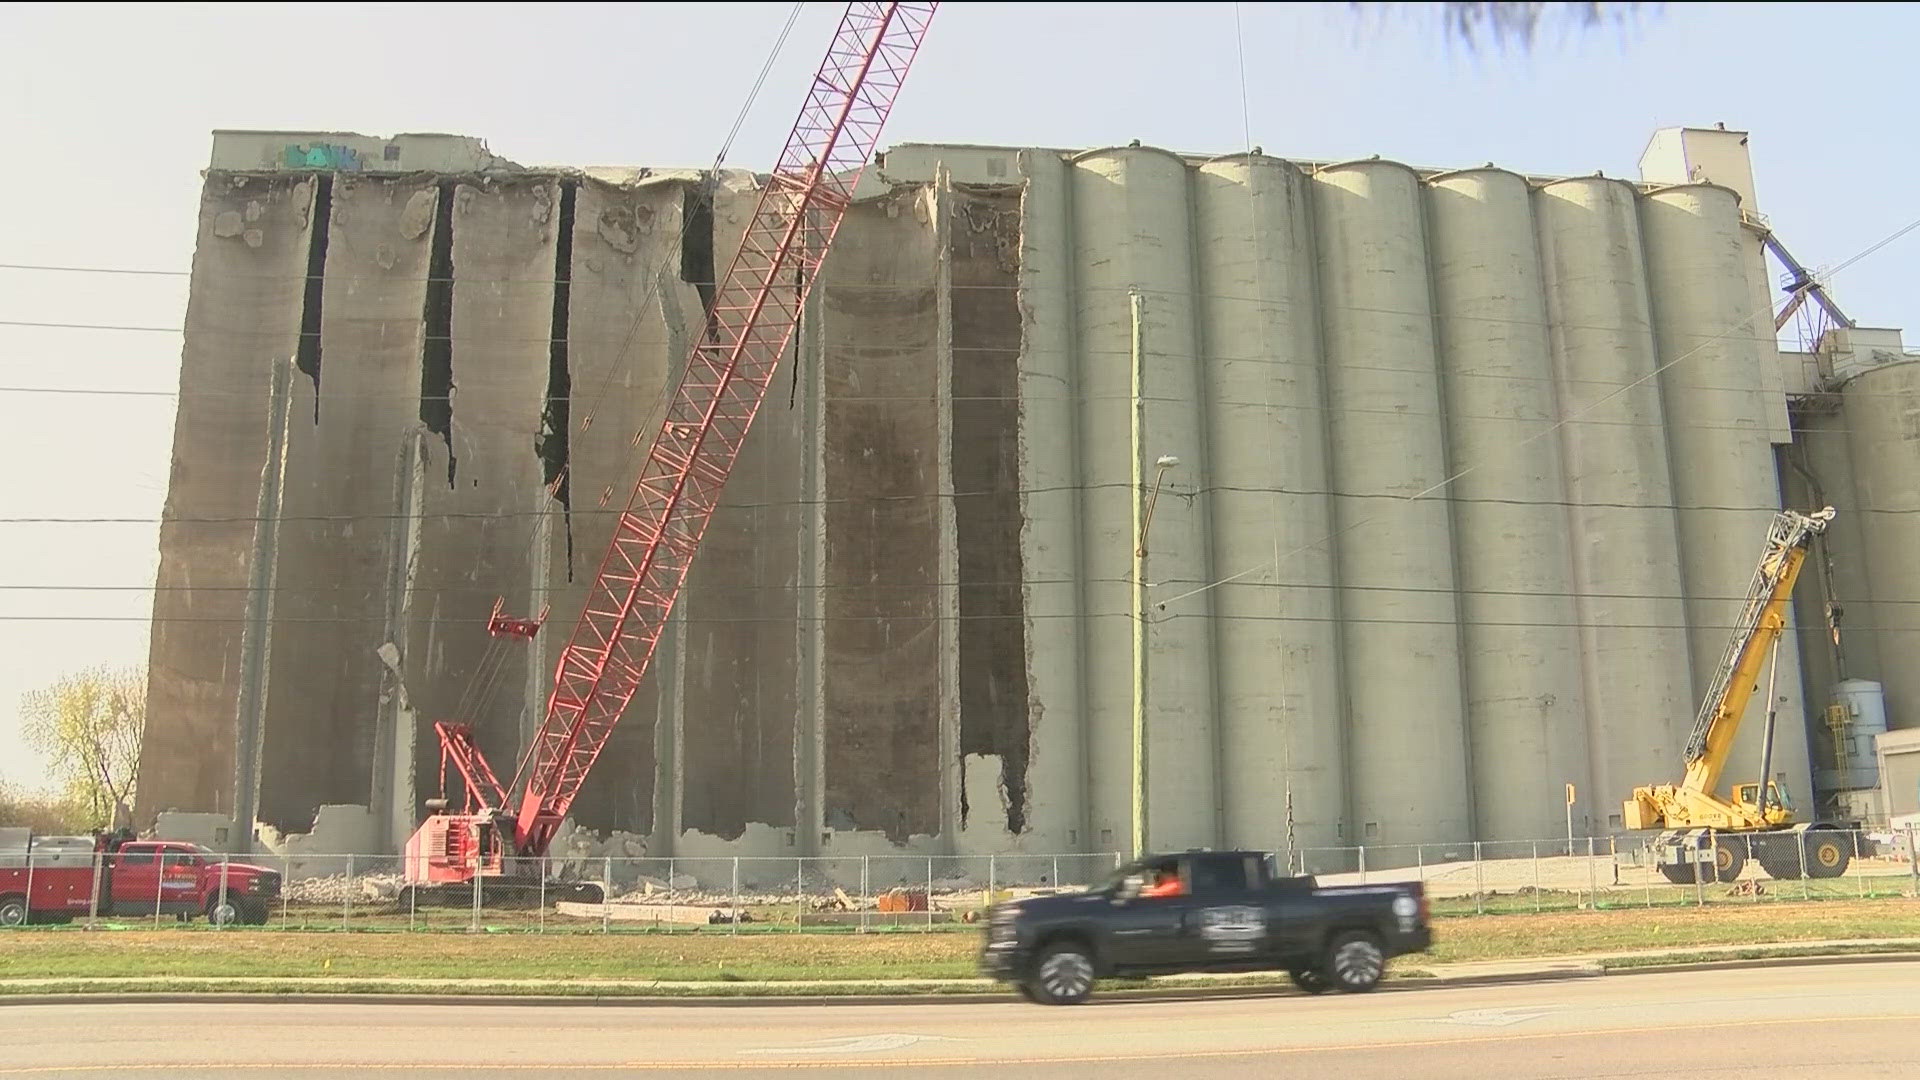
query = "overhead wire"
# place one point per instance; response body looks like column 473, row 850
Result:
column 929, row 496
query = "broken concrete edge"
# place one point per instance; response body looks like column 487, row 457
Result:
column 906, row 993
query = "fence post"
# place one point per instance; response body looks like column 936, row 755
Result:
column 1536, row 875
column 606, row 894
column 736, row 895
column 930, row 892
column 346, row 895
column 1699, row 876
column 1479, row 882
column 224, row 860
column 1056, row 872
column 159, row 883
column 93, row 902
column 799, row 895
column 673, row 904
column 286, row 879
column 473, row 917
column 866, row 880
column 1800, row 845
column 993, row 867
column 413, row 902
column 1913, row 861
column 1856, row 863
column 1593, row 879
column 1363, row 864
column 540, row 867
column 26, row 912
column 1420, row 861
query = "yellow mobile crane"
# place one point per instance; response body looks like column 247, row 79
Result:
column 1703, row 828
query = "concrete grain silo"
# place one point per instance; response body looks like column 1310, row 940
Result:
column 1473, row 468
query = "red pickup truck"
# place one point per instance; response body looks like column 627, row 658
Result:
column 58, row 878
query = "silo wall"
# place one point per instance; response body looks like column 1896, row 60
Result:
column 1626, row 551
column 1713, row 354
column 1283, row 753
column 1524, row 700
column 1410, row 775
column 1881, row 408
column 1134, row 265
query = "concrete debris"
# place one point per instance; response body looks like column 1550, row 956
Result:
column 341, row 889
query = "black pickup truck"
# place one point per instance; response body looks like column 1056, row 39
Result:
column 1203, row 911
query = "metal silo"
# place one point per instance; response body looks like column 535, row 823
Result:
column 1525, row 705
column 1626, row 553
column 1280, row 697
column 1139, row 347
column 1400, row 635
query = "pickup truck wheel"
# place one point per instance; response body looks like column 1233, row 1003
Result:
column 1062, row 976
column 13, row 911
column 1355, row 962
column 1310, row 981
column 253, row 913
column 228, row 913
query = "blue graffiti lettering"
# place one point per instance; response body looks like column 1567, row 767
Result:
column 323, row 156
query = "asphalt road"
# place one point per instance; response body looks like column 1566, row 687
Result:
column 1826, row 1021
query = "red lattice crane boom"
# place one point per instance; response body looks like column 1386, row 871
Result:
column 757, row 304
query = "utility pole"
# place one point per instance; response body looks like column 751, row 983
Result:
column 1143, row 502
column 1139, row 583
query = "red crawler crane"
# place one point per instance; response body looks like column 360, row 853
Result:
column 679, row 486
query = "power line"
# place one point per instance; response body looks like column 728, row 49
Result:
column 1207, row 403
column 930, row 496
column 710, row 592
column 917, row 619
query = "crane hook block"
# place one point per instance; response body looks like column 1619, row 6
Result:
column 503, row 625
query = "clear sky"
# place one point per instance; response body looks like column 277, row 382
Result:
column 105, row 111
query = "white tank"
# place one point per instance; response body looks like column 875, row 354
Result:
column 1401, row 639
column 1866, row 705
column 1525, row 706
column 1280, row 707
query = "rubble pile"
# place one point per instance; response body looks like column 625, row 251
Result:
column 341, row 889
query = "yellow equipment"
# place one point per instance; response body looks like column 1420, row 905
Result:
column 1703, row 828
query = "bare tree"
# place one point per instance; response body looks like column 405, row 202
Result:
column 89, row 724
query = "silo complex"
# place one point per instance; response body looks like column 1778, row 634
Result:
column 1293, row 504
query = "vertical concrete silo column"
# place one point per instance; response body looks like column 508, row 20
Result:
column 1525, row 706
column 1050, row 539
column 1401, row 637
column 1715, row 353
column 1280, row 696
column 1882, row 411
column 1133, row 233
column 1620, row 515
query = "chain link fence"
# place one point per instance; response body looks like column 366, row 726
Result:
column 906, row 893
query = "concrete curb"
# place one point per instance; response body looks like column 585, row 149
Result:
column 1110, row 997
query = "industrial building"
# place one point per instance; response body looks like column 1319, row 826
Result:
column 1449, row 484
